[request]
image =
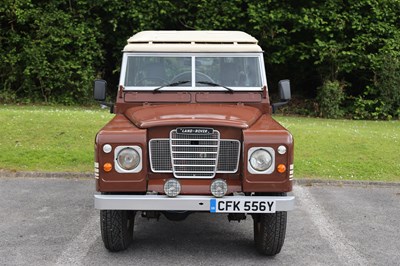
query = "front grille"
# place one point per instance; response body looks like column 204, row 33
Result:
column 194, row 156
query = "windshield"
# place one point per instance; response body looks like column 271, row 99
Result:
column 192, row 71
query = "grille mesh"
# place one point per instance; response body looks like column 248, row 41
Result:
column 228, row 155
column 160, row 155
column 194, row 156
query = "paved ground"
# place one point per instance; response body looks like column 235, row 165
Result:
column 52, row 222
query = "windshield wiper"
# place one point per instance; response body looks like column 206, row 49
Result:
column 173, row 84
column 215, row 85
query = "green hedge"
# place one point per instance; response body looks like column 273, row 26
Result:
column 50, row 51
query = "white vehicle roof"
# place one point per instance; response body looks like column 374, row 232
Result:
column 192, row 41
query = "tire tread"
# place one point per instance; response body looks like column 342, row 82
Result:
column 270, row 237
column 116, row 236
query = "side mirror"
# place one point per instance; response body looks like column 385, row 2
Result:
column 100, row 87
column 284, row 90
column 284, row 93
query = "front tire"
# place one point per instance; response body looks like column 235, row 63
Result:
column 117, row 229
column 269, row 232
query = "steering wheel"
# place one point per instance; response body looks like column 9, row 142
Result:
column 188, row 75
column 141, row 81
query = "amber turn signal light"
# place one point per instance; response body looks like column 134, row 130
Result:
column 281, row 168
column 107, row 167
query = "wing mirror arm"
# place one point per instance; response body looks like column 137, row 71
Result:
column 99, row 93
column 284, row 93
column 109, row 105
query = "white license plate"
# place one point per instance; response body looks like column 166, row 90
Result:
column 242, row 205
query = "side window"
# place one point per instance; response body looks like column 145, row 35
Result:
column 251, row 72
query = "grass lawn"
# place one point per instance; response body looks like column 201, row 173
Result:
column 345, row 149
column 45, row 138
column 60, row 139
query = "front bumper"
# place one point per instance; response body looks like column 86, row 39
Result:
column 180, row 203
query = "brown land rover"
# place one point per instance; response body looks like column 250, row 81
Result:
column 193, row 132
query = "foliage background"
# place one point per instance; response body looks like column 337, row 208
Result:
column 343, row 57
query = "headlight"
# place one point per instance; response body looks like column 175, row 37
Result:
column 128, row 159
column 260, row 160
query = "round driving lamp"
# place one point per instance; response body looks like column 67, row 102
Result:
column 172, row 188
column 218, row 188
column 260, row 160
column 128, row 159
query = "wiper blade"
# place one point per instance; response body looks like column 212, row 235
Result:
column 173, row 84
column 215, row 85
